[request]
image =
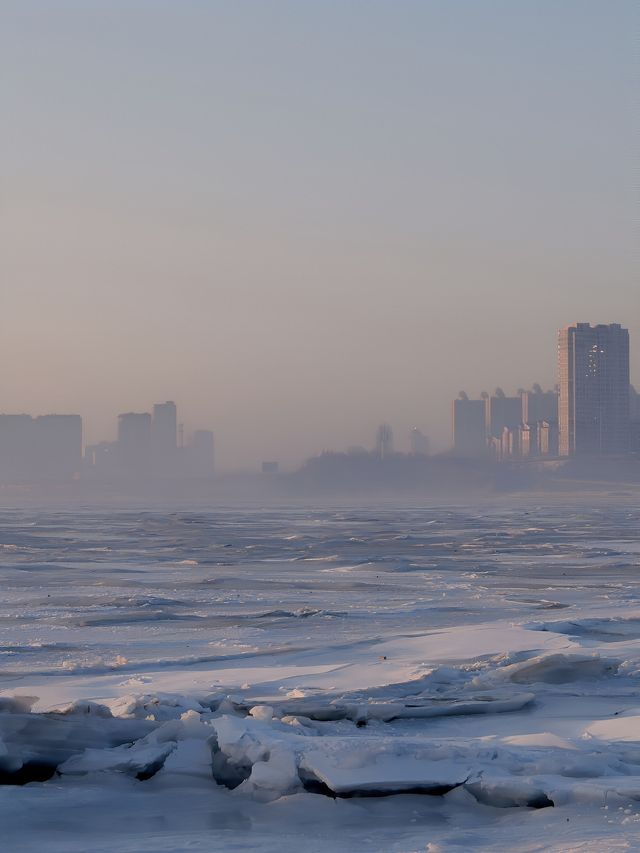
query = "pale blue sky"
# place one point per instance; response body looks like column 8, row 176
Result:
column 300, row 218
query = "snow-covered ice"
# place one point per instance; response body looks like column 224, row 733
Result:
column 356, row 679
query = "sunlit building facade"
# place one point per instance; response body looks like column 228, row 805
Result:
column 593, row 371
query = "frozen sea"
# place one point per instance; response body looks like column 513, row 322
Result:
column 298, row 679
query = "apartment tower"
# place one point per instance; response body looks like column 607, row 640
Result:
column 593, row 368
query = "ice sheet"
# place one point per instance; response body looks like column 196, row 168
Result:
column 353, row 679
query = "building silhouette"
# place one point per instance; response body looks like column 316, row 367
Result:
column 523, row 426
column 469, row 426
column 48, row 447
column 164, row 426
column 147, row 446
column 17, row 460
column 547, row 438
column 539, row 405
column 133, row 447
column 164, row 438
column 502, row 411
column 593, row 368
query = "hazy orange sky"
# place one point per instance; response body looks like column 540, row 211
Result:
column 300, row 219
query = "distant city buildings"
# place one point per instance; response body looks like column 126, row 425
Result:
column 469, row 427
column 539, row 405
column 501, row 427
column 593, row 369
column 48, row 447
column 164, row 438
column 593, row 410
column 133, row 448
column 502, row 411
column 147, row 446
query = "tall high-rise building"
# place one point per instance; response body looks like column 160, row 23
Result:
column 502, row 411
column 164, row 434
column 164, row 426
column 539, row 405
column 593, row 367
column 48, row 447
column 17, row 447
column 134, row 442
column 469, row 428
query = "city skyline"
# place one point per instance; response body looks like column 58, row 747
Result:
column 282, row 235
column 526, row 424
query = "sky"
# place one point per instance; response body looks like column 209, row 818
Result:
column 299, row 219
